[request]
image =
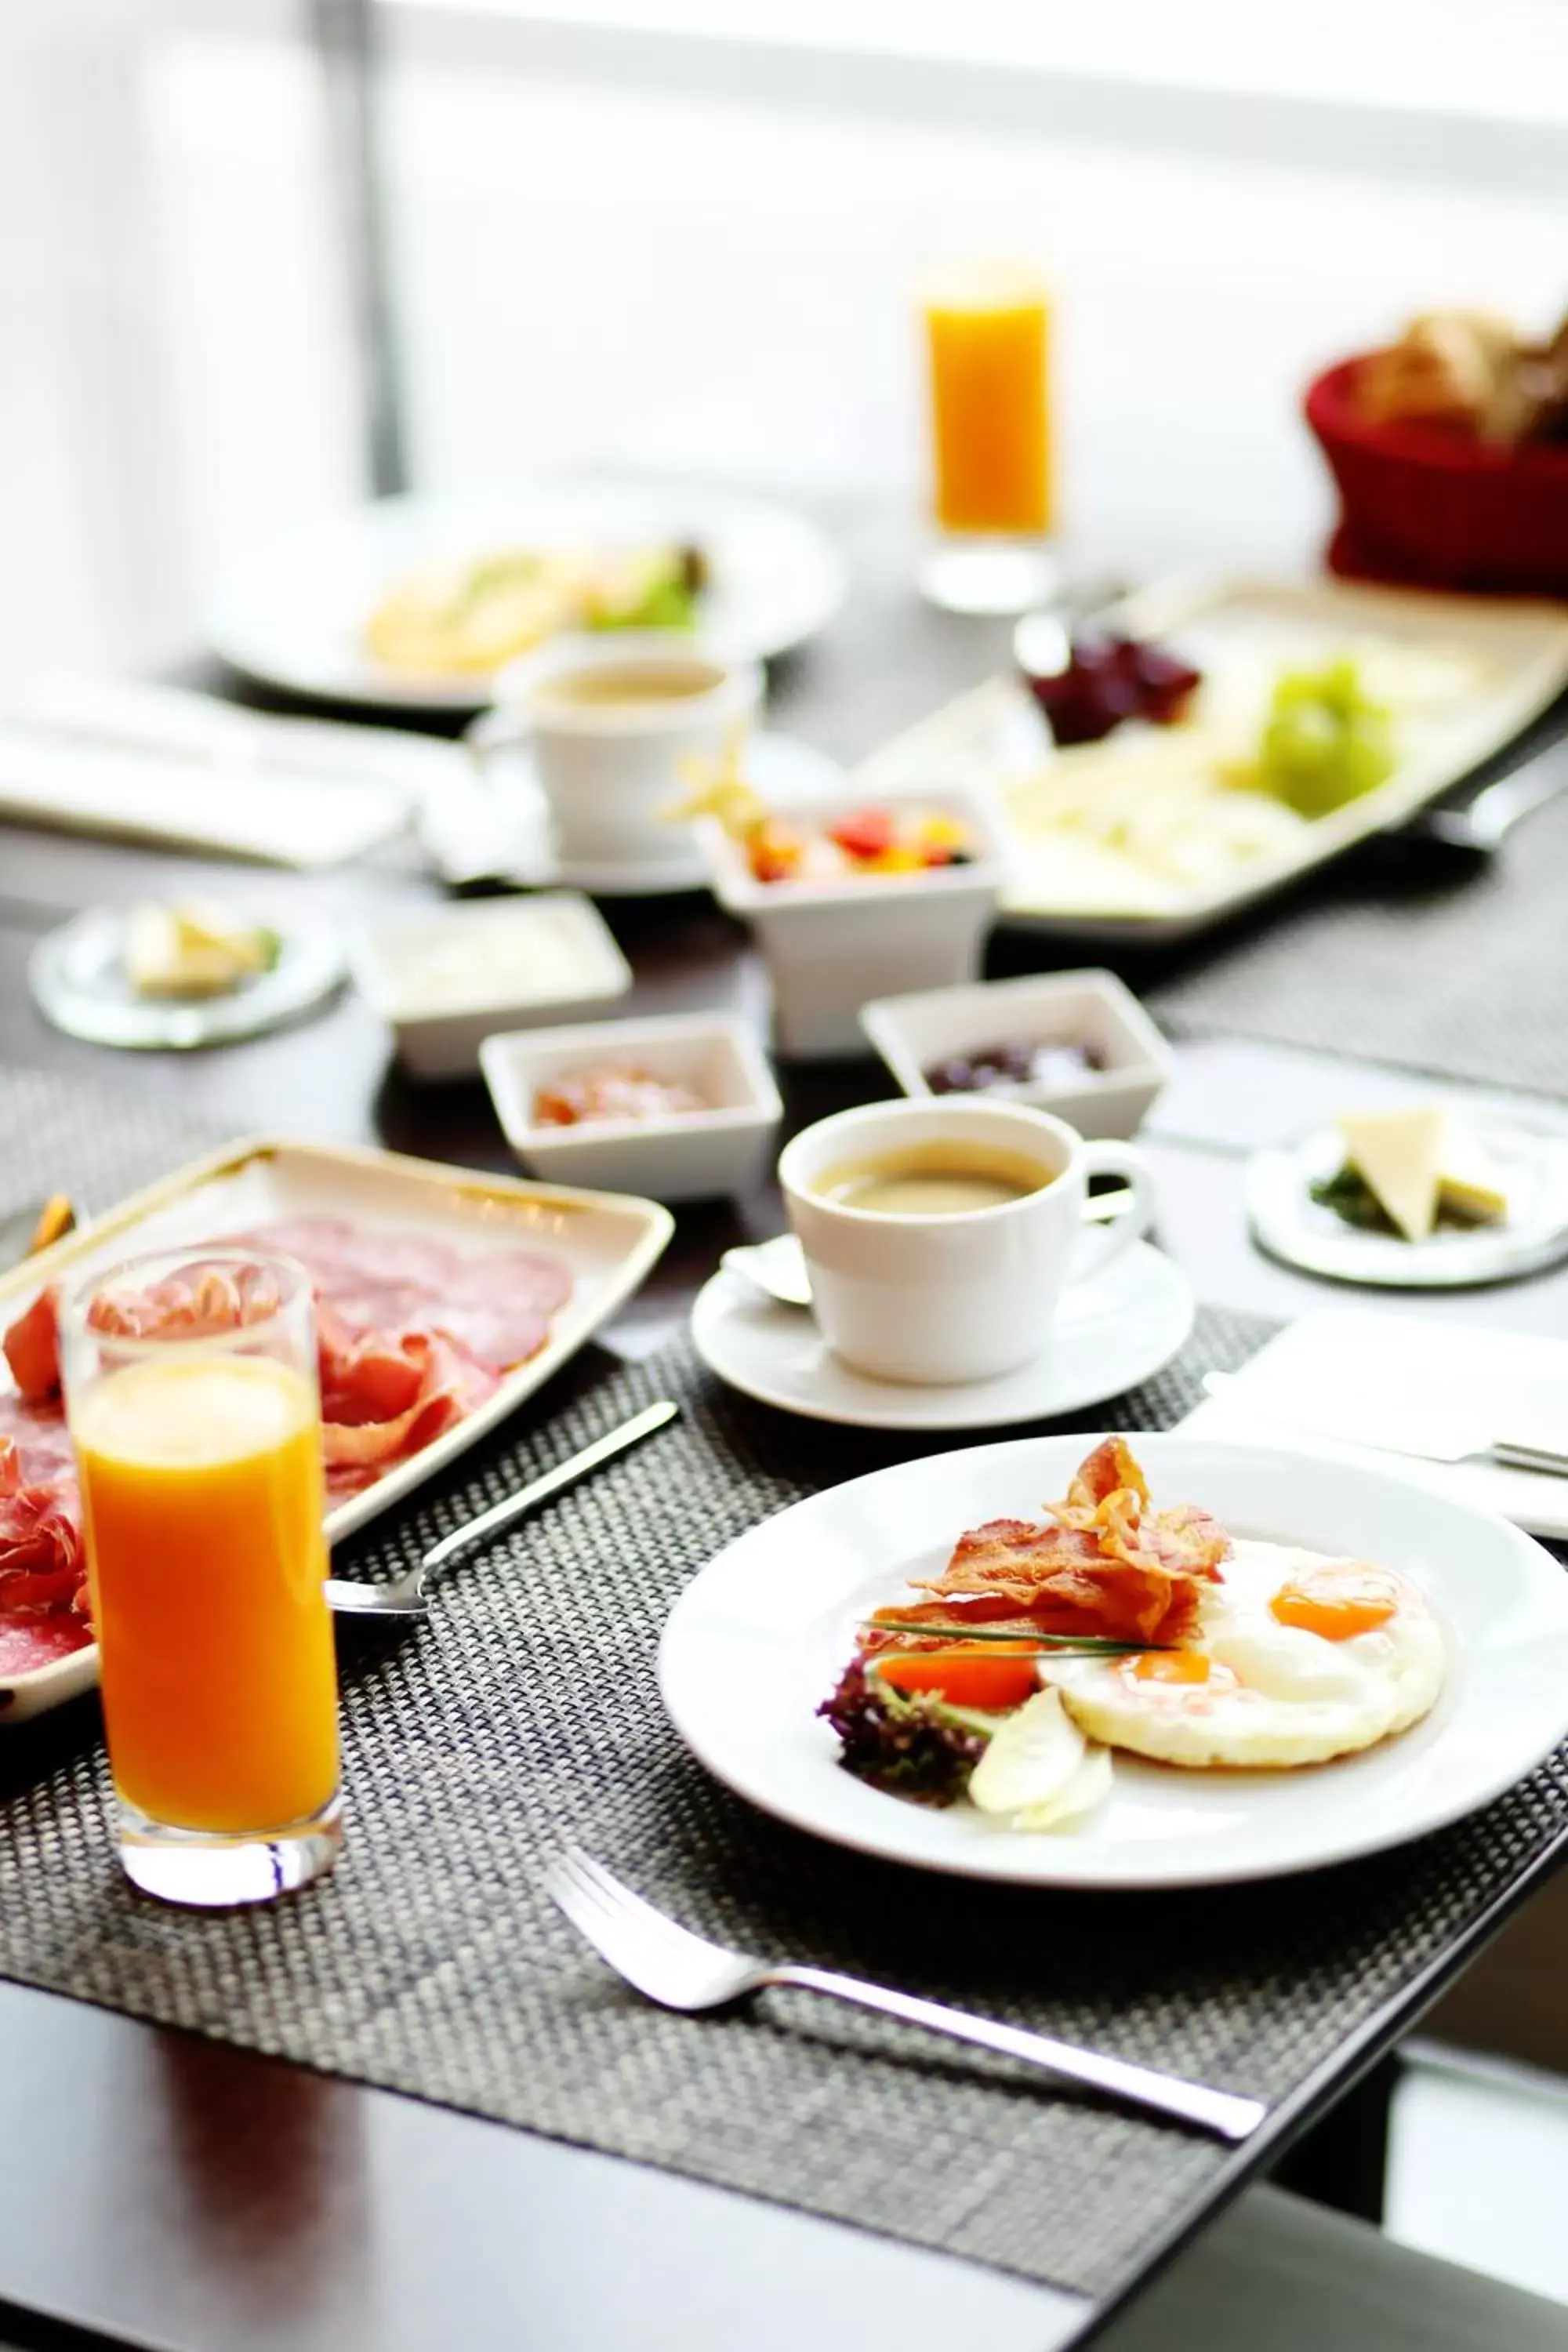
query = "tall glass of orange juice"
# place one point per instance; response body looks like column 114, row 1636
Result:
column 191, row 1390
column 988, row 363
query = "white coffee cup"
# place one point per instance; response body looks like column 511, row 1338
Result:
column 610, row 768
column 967, row 1294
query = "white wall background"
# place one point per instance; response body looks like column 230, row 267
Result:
column 697, row 251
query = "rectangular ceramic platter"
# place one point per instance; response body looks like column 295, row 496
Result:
column 608, row 1241
column 1240, row 632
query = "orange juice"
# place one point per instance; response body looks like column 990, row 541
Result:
column 987, row 338
column 202, row 1495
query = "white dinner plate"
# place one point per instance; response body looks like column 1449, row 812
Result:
column 1122, row 1327
column 607, row 1241
column 293, row 613
column 759, row 1637
column 495, row 825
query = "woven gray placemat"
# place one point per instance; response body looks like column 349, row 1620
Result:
column 526, row 1711
column 1468, row 980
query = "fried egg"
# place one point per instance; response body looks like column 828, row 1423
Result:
column 1296, row 1657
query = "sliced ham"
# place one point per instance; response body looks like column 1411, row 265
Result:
column 39, row 1434
column 497, row 1305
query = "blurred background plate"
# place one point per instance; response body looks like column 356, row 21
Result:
column 294, row 613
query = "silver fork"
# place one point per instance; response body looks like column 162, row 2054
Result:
column 680, row 1970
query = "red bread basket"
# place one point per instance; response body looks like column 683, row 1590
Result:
column 1437, row 509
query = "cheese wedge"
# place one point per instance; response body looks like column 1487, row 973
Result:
column 191, row 950
column 1468, row 1184
column 1399, row 1153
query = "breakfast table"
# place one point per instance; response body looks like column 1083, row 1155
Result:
column 171, row 2178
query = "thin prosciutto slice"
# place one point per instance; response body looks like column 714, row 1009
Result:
column 389, row 1398
column 42, row 1568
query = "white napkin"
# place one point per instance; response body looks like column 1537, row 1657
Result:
column 151, row 762
column 1399, row 1375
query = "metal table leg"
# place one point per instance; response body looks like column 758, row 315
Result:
column 347, row 39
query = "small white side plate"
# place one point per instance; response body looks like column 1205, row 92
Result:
column 758, row 1640
column 1109, row 1333
column 1289, row 1225
column 76, row 975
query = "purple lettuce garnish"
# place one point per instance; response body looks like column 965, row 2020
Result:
column 907, row 1742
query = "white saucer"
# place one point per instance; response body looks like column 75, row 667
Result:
column 473, row 831
column 1111, row 1332
column 1291, row 1226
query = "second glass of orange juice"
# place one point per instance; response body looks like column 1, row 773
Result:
column 988, row 363
column 191, row 1389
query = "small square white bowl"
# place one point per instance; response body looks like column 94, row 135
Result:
column 828, row 945
column 1089, row 1008
column 439, row 1026
column 683, row 1156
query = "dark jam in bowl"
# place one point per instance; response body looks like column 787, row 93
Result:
column 1051, row 1062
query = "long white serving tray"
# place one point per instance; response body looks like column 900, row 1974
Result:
column 1236, row 625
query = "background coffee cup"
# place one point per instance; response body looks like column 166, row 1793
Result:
column 943, row 1298
column 609, row 769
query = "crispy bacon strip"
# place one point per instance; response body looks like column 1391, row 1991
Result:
column 1188, row 1536
column 1108, row 1470
column 1118, row 1603
column 1098, row 1562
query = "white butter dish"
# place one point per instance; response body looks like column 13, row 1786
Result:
column 448, row 977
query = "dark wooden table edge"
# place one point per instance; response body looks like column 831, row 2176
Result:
column 1331, row 2082
column 24, row 2328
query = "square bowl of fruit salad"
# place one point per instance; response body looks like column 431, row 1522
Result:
column 851, row 896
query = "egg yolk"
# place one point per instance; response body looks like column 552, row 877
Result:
column 1178, row 1678
column 1338, row 1602
column 1169, row 1666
